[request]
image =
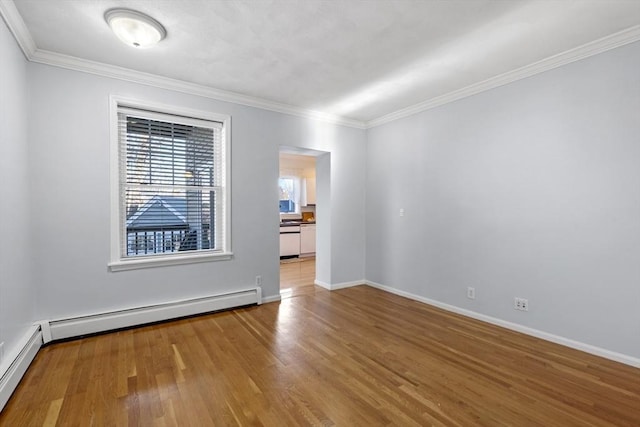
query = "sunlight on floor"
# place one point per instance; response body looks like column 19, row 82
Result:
column 296, row 273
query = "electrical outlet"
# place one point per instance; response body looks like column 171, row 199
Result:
column 401, row 211
column 258, row 280
column 521, row 304
column 471, row 293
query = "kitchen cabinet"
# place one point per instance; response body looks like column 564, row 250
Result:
column 307, row 239
column 308, row 191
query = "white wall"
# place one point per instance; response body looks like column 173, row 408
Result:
column 69, row 152
column 17, row 295
column 528, row 190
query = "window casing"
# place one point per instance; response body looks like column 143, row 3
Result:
column 170, row 186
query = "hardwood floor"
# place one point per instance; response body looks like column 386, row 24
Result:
column 352, row 357
column 297, row 276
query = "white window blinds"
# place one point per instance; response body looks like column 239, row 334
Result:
column 172, row 187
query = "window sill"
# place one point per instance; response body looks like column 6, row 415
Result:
column 163, row 261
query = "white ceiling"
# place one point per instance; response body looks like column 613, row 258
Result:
column 360, row 60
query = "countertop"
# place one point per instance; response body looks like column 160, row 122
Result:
column 295, row 222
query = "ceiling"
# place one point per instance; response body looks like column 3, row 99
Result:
column 360, row 60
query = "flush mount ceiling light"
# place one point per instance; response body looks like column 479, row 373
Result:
column 134, row 28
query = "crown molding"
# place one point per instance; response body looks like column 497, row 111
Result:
column 604, row 44
column 105, row 70
column 17, row 27
column 22, row 35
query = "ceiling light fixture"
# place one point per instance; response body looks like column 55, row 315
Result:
column 134, row 28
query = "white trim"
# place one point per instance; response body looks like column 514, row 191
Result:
column 322, row 284
column 595, row 47
column 117, row 262
column 106, row 321
column 567, row 342
column 272, row 298
column 336, row 286
column 15, row 364
column 165, row 261
column 114, row 180
column 121, row 73
column 259, row 294
column 45, row 328
column 18, row 28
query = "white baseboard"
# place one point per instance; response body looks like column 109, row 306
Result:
column 15, row 363
column 336, row 286
column 587, row 348
column 100, row 322
column 272, row 298
column 322, row 284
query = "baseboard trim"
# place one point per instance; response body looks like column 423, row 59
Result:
column 336, row 286
column 567, row 342
column 272, row 298
column 94, row 323
column 15, row 364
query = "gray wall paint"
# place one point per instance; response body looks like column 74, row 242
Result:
column 323, row 219
column 17, row 296
column 70, row 197
column 529, row 190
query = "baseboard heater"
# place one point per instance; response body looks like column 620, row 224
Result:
column 15, row 364
column 53, row 330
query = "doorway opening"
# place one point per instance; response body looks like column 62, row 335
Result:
column 301, row 217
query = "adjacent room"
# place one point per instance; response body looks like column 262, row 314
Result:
column 311, row 212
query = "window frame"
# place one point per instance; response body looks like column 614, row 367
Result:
column 118, row 262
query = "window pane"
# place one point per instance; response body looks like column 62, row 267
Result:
column 161, row 153
column 286, row 188
column 168, row 221
column 287, row 195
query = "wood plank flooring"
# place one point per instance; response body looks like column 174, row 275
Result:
column 297, row 277
column 352, row 357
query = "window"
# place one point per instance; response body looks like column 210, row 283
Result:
column 288, row 194
column 169, row 186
